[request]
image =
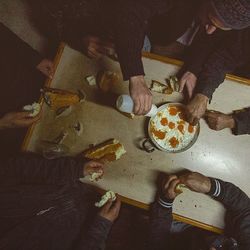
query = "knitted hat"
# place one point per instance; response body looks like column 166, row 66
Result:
column 234, row 14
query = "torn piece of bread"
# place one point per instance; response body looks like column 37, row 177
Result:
column 91, row 80
column 173, row 83
column 34, row 108
column 161, row 88
column 108, row 151
column 105, row 198
column 179, row 188
column 96, row 175
column 129, row 115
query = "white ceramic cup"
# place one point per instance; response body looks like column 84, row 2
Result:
column 124, row 103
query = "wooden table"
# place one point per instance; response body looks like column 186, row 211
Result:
column 217, row 154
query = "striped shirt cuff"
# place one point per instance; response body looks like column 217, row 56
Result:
column 164, row 202
column 216, row 189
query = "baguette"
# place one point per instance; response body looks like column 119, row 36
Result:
column 58, row 98
column 108, row 151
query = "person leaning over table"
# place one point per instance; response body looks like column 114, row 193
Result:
column 229, row 58
column 84, row 24
column 238, row 121
column 44, row 205
column 168, row 234
column 232, row 56
column 23, row 71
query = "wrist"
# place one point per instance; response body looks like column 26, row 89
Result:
column 165, row 201
column 105, row 219
column 202, row 98
column 215, row 189
column 136, row 78
column 231, row 122
column 208, row 185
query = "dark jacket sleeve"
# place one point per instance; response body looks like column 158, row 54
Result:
column 130, row 23
column 237, row 205
column 13, row 47
column 200, row 49
column 96, row 237
column 34, row 169
column 160, row 224
column 233, row 54
column 242, row 122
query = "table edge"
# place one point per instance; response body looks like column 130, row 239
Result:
column 124, row 199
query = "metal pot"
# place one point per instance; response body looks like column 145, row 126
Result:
column 150, row 144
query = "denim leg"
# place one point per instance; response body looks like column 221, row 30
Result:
column 178, row 227
column 146, row 45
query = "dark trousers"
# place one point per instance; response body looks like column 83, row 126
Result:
column 20, row 85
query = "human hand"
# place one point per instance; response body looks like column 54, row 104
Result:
column 94, row 47
column 196, row 182
column 46, row 67
column 196, row 108
column 169, row 187
column 93, row 167
column 140, row 94
column 110, row 210
column 17, row 120
column 218, row 121
column 189, row 80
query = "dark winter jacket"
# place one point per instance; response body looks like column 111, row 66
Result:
column 242, row 121
column 45, row 206
column 237, row 222
column 211, row 64
column 18, row 63
column 127, row 22
column 20, row 84
column 233, row 54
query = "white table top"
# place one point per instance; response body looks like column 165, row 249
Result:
column 217, row 154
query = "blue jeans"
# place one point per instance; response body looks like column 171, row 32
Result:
column 179, row 227
column 147, row 45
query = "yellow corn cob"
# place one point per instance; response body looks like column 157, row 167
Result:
column 57, row 98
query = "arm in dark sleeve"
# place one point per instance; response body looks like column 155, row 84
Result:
column 13, row 47
column 34, row 169
column 160, row 224
column 130, row 22
column 96, row 236
column 242, row 122
column 200, row 49
column 237, row 204
column 224, row 60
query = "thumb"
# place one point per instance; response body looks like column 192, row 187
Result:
column 50, row 66
column 182, row 84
